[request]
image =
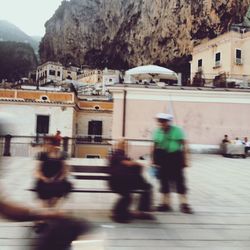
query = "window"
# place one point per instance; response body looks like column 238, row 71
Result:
column 58, row 73
column 52, row 72
column 44, row 98
column 217, row 59
column 93, row 156
column 199, row 64
column 95, row 128
column 42, row 124
column 238, row 54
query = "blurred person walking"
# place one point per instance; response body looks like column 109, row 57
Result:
column 126, row 176
column 61, row 229
column 51, row 174
column 170, row 154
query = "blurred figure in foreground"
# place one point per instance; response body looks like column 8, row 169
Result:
column 51, row 174
column 126, row 176
column 61, row 229
column 170, row 155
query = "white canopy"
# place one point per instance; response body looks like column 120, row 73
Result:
column 152, row 72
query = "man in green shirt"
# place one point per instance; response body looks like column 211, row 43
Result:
column 169, row 154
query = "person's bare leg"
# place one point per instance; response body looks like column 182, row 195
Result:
column 184, row 206
column 166, row 199
column 165, row 203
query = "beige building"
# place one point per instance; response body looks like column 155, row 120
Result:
column 228, row 53
column 93, row 128
column 55, row 72
column 70, row 73
column 90, row 76
column 106, row 76
column 110, row 77
column 87, row 123
column 49, row 72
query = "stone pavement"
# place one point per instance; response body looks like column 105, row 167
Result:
column 219, row 194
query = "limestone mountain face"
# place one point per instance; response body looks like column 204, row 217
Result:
column 126, row 33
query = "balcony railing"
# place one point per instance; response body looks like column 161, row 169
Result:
column 29, row 146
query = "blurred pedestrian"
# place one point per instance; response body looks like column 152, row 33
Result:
column 126, row 176
column 51, row 174
column 58, row 138
column 247, row 145
column 225, row 140
column 237, row 141
column 170, row 155
column 61, row 230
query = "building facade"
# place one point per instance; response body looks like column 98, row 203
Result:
column 70, row 73
column 90, row 76
column 53, row 72
column 205, row 115
column 94, row 126
column 110, row 77
column 86, row 123
column 49, row 72
column 227, row 54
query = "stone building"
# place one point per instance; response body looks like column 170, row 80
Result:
column 53, row 72
column 227, row 54
column 38, row 113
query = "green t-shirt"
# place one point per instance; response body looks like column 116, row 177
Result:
column 171, row 141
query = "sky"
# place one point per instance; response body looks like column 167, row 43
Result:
column 28, row 15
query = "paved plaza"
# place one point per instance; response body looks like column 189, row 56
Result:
column 219, row 194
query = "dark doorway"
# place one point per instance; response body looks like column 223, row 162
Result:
column 42, row 125
column 95, row 129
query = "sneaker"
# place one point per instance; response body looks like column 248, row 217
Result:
column 185, row 208
column 164, row 208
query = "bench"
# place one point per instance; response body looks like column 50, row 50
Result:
column 230, row 150
column 81, row 172
column 95, row 172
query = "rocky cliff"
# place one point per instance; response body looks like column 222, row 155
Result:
column 125, row 33
column 16, row 60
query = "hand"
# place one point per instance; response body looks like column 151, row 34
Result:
column 186, row 162
column 53, row 215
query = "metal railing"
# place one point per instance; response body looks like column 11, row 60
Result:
column 29, row 146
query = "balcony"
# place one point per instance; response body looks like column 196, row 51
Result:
column 217, row 64
column 238, row 61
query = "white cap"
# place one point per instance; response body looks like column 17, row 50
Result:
column 164, row 116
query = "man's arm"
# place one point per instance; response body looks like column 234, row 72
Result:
column 19, row 213
column 185, row 153
column 130, row 163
